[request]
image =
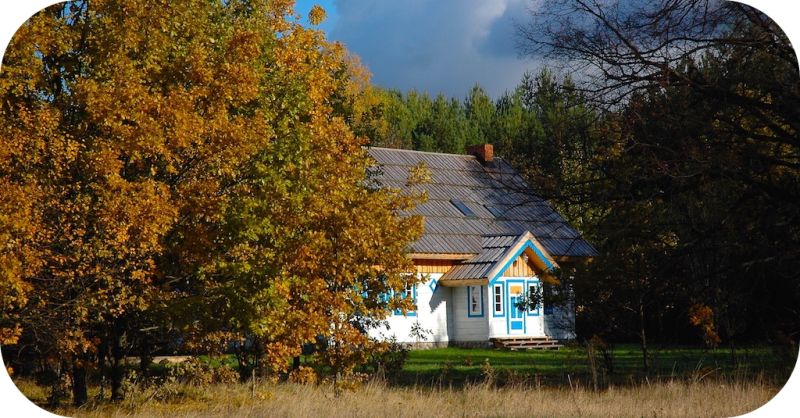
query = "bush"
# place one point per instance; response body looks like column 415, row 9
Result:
column 303, row 375
column 195, row 372
column 488, row 372
column 388, row 360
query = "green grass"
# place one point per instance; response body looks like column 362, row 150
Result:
column 217, row 361
column 459, row 365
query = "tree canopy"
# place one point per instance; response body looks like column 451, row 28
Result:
column 186, row 169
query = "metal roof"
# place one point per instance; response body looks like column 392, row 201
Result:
column 464, row 178
column 477, row 268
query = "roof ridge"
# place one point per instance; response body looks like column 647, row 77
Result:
column 423, row 152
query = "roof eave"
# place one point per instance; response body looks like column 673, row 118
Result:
column 464, row 282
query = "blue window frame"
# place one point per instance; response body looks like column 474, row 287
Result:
column 474, row 301
column 534, row 286
column 497, row 300
column 409, row 292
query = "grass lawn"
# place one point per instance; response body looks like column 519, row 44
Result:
column 571, row 364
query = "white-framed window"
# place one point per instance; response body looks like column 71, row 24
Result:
column 474, row 301
column 497, row 299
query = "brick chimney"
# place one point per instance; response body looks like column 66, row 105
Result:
column 484, row 152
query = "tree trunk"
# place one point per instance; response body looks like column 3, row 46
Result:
column 295, row 362
column 643, row 336
column 145, row 360
column 115, row 371
column 102, row 356
column 145, row 357
column 79, row 394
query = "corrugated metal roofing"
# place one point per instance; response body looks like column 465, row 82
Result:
column 464, row 178
column 477, row 268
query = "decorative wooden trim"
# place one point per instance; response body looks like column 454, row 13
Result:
column 427, row 266
column 525, row 242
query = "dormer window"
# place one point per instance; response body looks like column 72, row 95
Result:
column 494, row 211
column 463, row 208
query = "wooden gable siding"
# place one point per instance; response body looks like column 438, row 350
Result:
column 433, row 266
column 520, row 268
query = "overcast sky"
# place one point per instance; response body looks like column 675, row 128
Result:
column 431, row 45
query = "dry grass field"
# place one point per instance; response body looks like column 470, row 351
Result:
column 666, row 399
column 451, row 382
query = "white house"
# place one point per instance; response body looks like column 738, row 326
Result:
column 488, row 241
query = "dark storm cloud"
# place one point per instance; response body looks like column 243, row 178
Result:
column 434, row 45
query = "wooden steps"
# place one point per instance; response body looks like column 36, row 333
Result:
column 526, row 343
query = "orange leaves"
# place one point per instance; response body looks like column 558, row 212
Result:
column 702, row 317
column 189, row 153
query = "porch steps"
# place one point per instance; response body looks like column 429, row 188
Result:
column 526, row 343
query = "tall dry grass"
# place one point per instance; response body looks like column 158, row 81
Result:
column 665, row 399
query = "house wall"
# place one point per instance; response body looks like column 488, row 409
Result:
column 465, row 328
column 431, row 313
column 444, row 311
column 559, row 322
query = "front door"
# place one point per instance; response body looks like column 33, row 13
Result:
column 516, row 317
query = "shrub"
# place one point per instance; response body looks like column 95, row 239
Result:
column 488, row 372
column 303, row 375
column 389, row 359
column 195, row 372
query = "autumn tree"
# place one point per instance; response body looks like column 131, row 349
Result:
column 159, row 158
column 310, row 244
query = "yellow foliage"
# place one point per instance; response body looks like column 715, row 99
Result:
column 187, row 161
column 316, row 15
column 303, row 375
column 702, row 317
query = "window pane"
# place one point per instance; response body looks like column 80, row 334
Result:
column 494, row 211
column 474, row 299
column 463, row 208
column 498, row 299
